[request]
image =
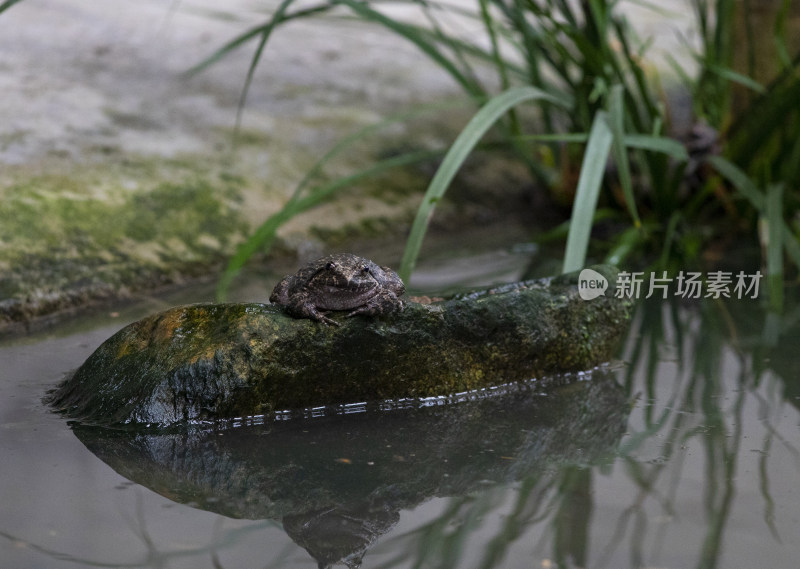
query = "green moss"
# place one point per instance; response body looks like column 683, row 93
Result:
column 183, row 211
column 365, row 228
column 66, row 241
column 38, row 222
column 247, row 136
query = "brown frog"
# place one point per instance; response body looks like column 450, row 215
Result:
column 339, row 282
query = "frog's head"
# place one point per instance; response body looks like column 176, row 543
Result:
column 347, row 274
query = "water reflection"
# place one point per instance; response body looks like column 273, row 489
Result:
column 704, row 477
column 712, row 381
column 338, row 483
column 685, row 455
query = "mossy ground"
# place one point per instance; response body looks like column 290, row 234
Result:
column 109, row 225
column 70, row 238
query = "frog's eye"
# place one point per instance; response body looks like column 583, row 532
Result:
column 364, row 269
column 330, row 265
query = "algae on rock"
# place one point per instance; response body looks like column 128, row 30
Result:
column 216, row 361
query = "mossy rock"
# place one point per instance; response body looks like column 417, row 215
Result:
column 217, row 361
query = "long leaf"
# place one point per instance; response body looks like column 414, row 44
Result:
column 740, row 78
column 483, row 120
column 254, row 32
column 739, row 179
column 773, row 216
column 745, row 186
column 662, row 144
column 791, row 244
column 668, row 146
column 589, row 183
column 413, row 35
column 263, row 237
column 7, row 4
column 623, row 245
column 362, row 133
column 265, row 34
column 616, row 117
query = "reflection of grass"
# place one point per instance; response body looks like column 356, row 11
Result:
column 159, row 550
column 704, row 408
column 479, row 530
column 696, row 374
column 459, row 537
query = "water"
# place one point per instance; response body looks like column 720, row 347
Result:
column 683, row 453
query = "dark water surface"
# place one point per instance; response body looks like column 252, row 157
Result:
column 684, row 453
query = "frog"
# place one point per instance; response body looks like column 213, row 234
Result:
column 339, row 282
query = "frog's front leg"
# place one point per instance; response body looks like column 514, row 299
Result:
column 303, row 308
column 382, row 303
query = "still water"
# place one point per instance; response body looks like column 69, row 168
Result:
column 682, row 453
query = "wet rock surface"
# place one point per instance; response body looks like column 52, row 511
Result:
column 218, row 361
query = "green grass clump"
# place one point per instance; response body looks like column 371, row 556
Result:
column 582, row 66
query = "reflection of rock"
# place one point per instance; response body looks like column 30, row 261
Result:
column 221, row 361
column 338, row 482
column 334, row 535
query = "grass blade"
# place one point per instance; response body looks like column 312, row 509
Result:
column 263, row 237
column 7, row 4
column 419, row 39
column 616, row 118
column 792, row 244
column 497, row 57
column 623, row 246
column 589, row 184
column 743, row 184
column 731, row 75
column 662, row 144
column 266, row 32
column 226, row 49
column 243, row 38
column 483, row 120
column 773, row 216
column 362, row 133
